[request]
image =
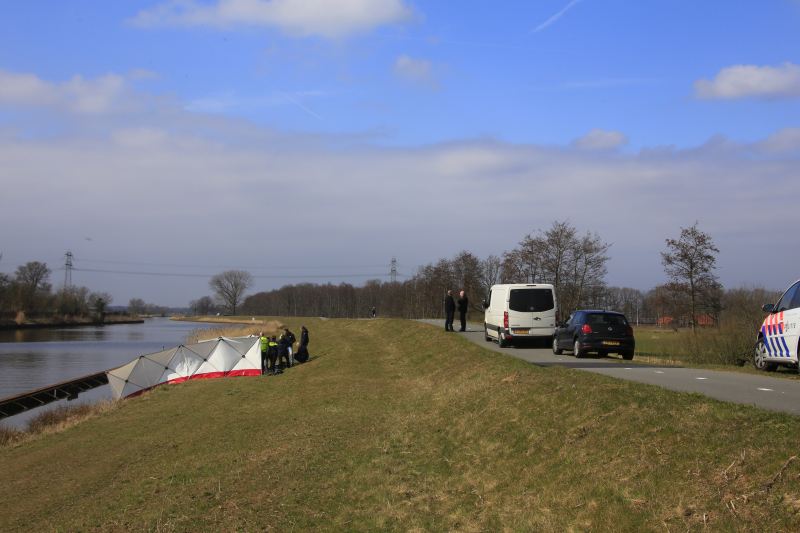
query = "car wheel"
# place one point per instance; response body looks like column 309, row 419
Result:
column 627, row 355
column 501, row 340
column 486, row 336
column 577, row 350
column 760, row 357
column 556, row 349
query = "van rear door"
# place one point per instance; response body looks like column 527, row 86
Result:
column 533, row 309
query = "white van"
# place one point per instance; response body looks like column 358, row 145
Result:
column 520, row 311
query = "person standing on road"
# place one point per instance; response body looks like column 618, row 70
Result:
column 373, row 312
column 462, row 311
column 449, row 311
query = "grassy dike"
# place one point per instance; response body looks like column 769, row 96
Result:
column 398, row 426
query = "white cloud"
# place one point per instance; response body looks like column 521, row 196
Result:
column 742, row 81
column 419, row 72
column 141, row 74
column 299, row 18
column 167, row 183
column 785, row 141
column 600, row 139
column 78, row 95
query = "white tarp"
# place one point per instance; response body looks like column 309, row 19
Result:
column 214, row 358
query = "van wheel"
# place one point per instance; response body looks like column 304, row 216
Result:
column 760, row 357
column 577, row 350
column 486, row 336
column 501, row 340
column 556, row 349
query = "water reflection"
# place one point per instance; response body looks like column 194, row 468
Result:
column 30, row 359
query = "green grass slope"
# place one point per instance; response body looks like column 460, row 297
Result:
column 397, row 426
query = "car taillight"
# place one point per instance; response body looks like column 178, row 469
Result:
column 556, row 317
column 505, row 319
column 587, row 329
column 630, row 331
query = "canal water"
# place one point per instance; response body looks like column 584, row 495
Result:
column 35, row 358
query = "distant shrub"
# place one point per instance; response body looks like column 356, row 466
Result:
column 272, row 327
column 53, row 420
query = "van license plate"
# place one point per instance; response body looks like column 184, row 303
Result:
column 611, row 343
column 521, row 331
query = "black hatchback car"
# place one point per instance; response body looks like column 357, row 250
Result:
column 603, row 332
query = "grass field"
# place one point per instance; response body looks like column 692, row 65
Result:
column 396, row 426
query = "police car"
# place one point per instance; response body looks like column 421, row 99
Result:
column 777, row 340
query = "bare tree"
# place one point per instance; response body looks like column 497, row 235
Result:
column 136, row 306
column 229, row 288
column 491, row 270
column 32, row 280
column 100, row 302
column 205, row 305
column 690, row 265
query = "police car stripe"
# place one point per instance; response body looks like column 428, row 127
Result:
column 783, row 340
column 765, row 337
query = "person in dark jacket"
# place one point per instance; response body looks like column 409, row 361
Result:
column 462, row 311
column 272, row 355
column 302, row 350
column 283, row 352
column 290, row 338
column 449, row 311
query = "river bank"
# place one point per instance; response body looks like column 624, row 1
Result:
column 10, row 325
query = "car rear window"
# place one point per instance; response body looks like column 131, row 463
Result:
column 531, row 300
column 604, row 318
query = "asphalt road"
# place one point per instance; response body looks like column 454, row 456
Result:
column 775, row 394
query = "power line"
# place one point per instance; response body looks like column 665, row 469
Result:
column 229, row 266
column 210, row 275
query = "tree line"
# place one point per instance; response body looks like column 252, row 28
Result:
column 574, row 262
column 29, row 293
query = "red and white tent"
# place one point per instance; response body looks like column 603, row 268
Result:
column 214, row 358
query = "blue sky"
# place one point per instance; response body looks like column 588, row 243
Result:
column 278, row 134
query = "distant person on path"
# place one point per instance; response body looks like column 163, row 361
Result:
column 462, row 311
column 302, row 350
column 373, row 312
column 290, row 338
column 449, row 311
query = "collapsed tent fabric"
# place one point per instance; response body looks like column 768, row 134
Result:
column 214, row 358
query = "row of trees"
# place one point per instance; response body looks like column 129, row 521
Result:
column 574, row 263
column 138, row 307
column 29, row 291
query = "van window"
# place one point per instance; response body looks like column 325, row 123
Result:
column 527, row 300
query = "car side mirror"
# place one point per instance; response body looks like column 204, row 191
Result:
column 769, row 308
column 562, row 325
column 485, row 305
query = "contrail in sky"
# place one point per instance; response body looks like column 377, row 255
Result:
column 554, row 17
column 293, row 100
